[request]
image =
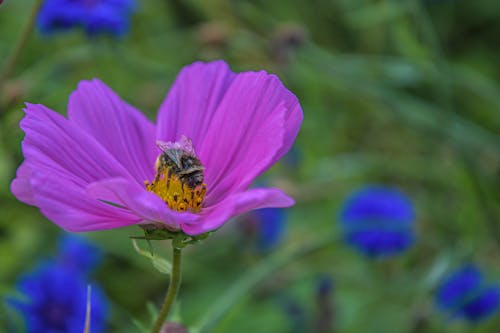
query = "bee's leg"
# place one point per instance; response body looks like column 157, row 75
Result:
column 169, row 175
column 159, row 171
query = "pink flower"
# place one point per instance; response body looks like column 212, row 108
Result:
column 96, row 168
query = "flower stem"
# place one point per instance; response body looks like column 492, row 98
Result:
column 173, row 288
column 10, row 63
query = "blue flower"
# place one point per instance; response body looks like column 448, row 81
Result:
column 75, row 252
column 378, row 221
column 56, row 299
column 265, row 228
column 324, row 286
column 94, row 16
column 293, row 158
column 464, row 294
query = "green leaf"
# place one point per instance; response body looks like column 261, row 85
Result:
column 140, row 326
column 161, row 264
column 153, row 311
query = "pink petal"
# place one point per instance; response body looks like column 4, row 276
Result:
column 293, row 120
column 120, row 128
column 235, row 204
column 54, row 144
column 69, row 207
column 240, row 124
column 253, row 127
column 63, row 160
column 145, row 204
column 21, row 187
column 192, row 100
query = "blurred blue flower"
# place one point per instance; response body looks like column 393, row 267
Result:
column 75, row 252
column 325, row 311
column 265, row 228
column 56, row 299
column 271, row 227
column 464, row 294
column 324, row 286
column 296, row 316
column 378, row 221
column 293, row 158
column 94, row 16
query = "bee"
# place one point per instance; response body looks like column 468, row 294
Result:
column 180, row 162
column 179, row 177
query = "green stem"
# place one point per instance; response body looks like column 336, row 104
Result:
column 173, row 288
column 241, row 288
column 9, row 64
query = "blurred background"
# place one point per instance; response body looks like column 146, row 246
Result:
column 400, row 94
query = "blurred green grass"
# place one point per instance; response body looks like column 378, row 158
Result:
column 404, row 93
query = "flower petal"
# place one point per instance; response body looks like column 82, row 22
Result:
column 69, row 207
column 253, row 127
column 240, row 124
column 21, row 187
column 120, row 128
column 142, row 203
column 61, row 160
column 192, row 100
column 214, row 217
column 60, row 147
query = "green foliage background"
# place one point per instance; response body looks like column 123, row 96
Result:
column 401, row 92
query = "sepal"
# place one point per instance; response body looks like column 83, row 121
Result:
column 179, row 238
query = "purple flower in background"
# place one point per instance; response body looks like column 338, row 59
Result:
column 56, row 300
column 94, row 16
column 76, row 253
column 378, row 221
column 215, row 133
column 464, row 294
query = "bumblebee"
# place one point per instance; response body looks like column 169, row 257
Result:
column 182, row 164
column 179, row 177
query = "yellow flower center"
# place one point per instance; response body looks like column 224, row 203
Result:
column 178, row 195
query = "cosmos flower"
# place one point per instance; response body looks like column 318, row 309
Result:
column 265, row 227
column 76, row 253
column 56, row 300
column 216, row 132
column 464, row 294
column 94, row 16
column 378, row 221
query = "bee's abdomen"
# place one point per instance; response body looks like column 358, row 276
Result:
column 193, row 179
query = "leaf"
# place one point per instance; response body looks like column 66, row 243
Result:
column 161, row 264
column 140, row 326
column 153, row 311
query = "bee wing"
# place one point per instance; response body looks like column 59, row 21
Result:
column 185, row 144
column 164, row 146
column 175, row 156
